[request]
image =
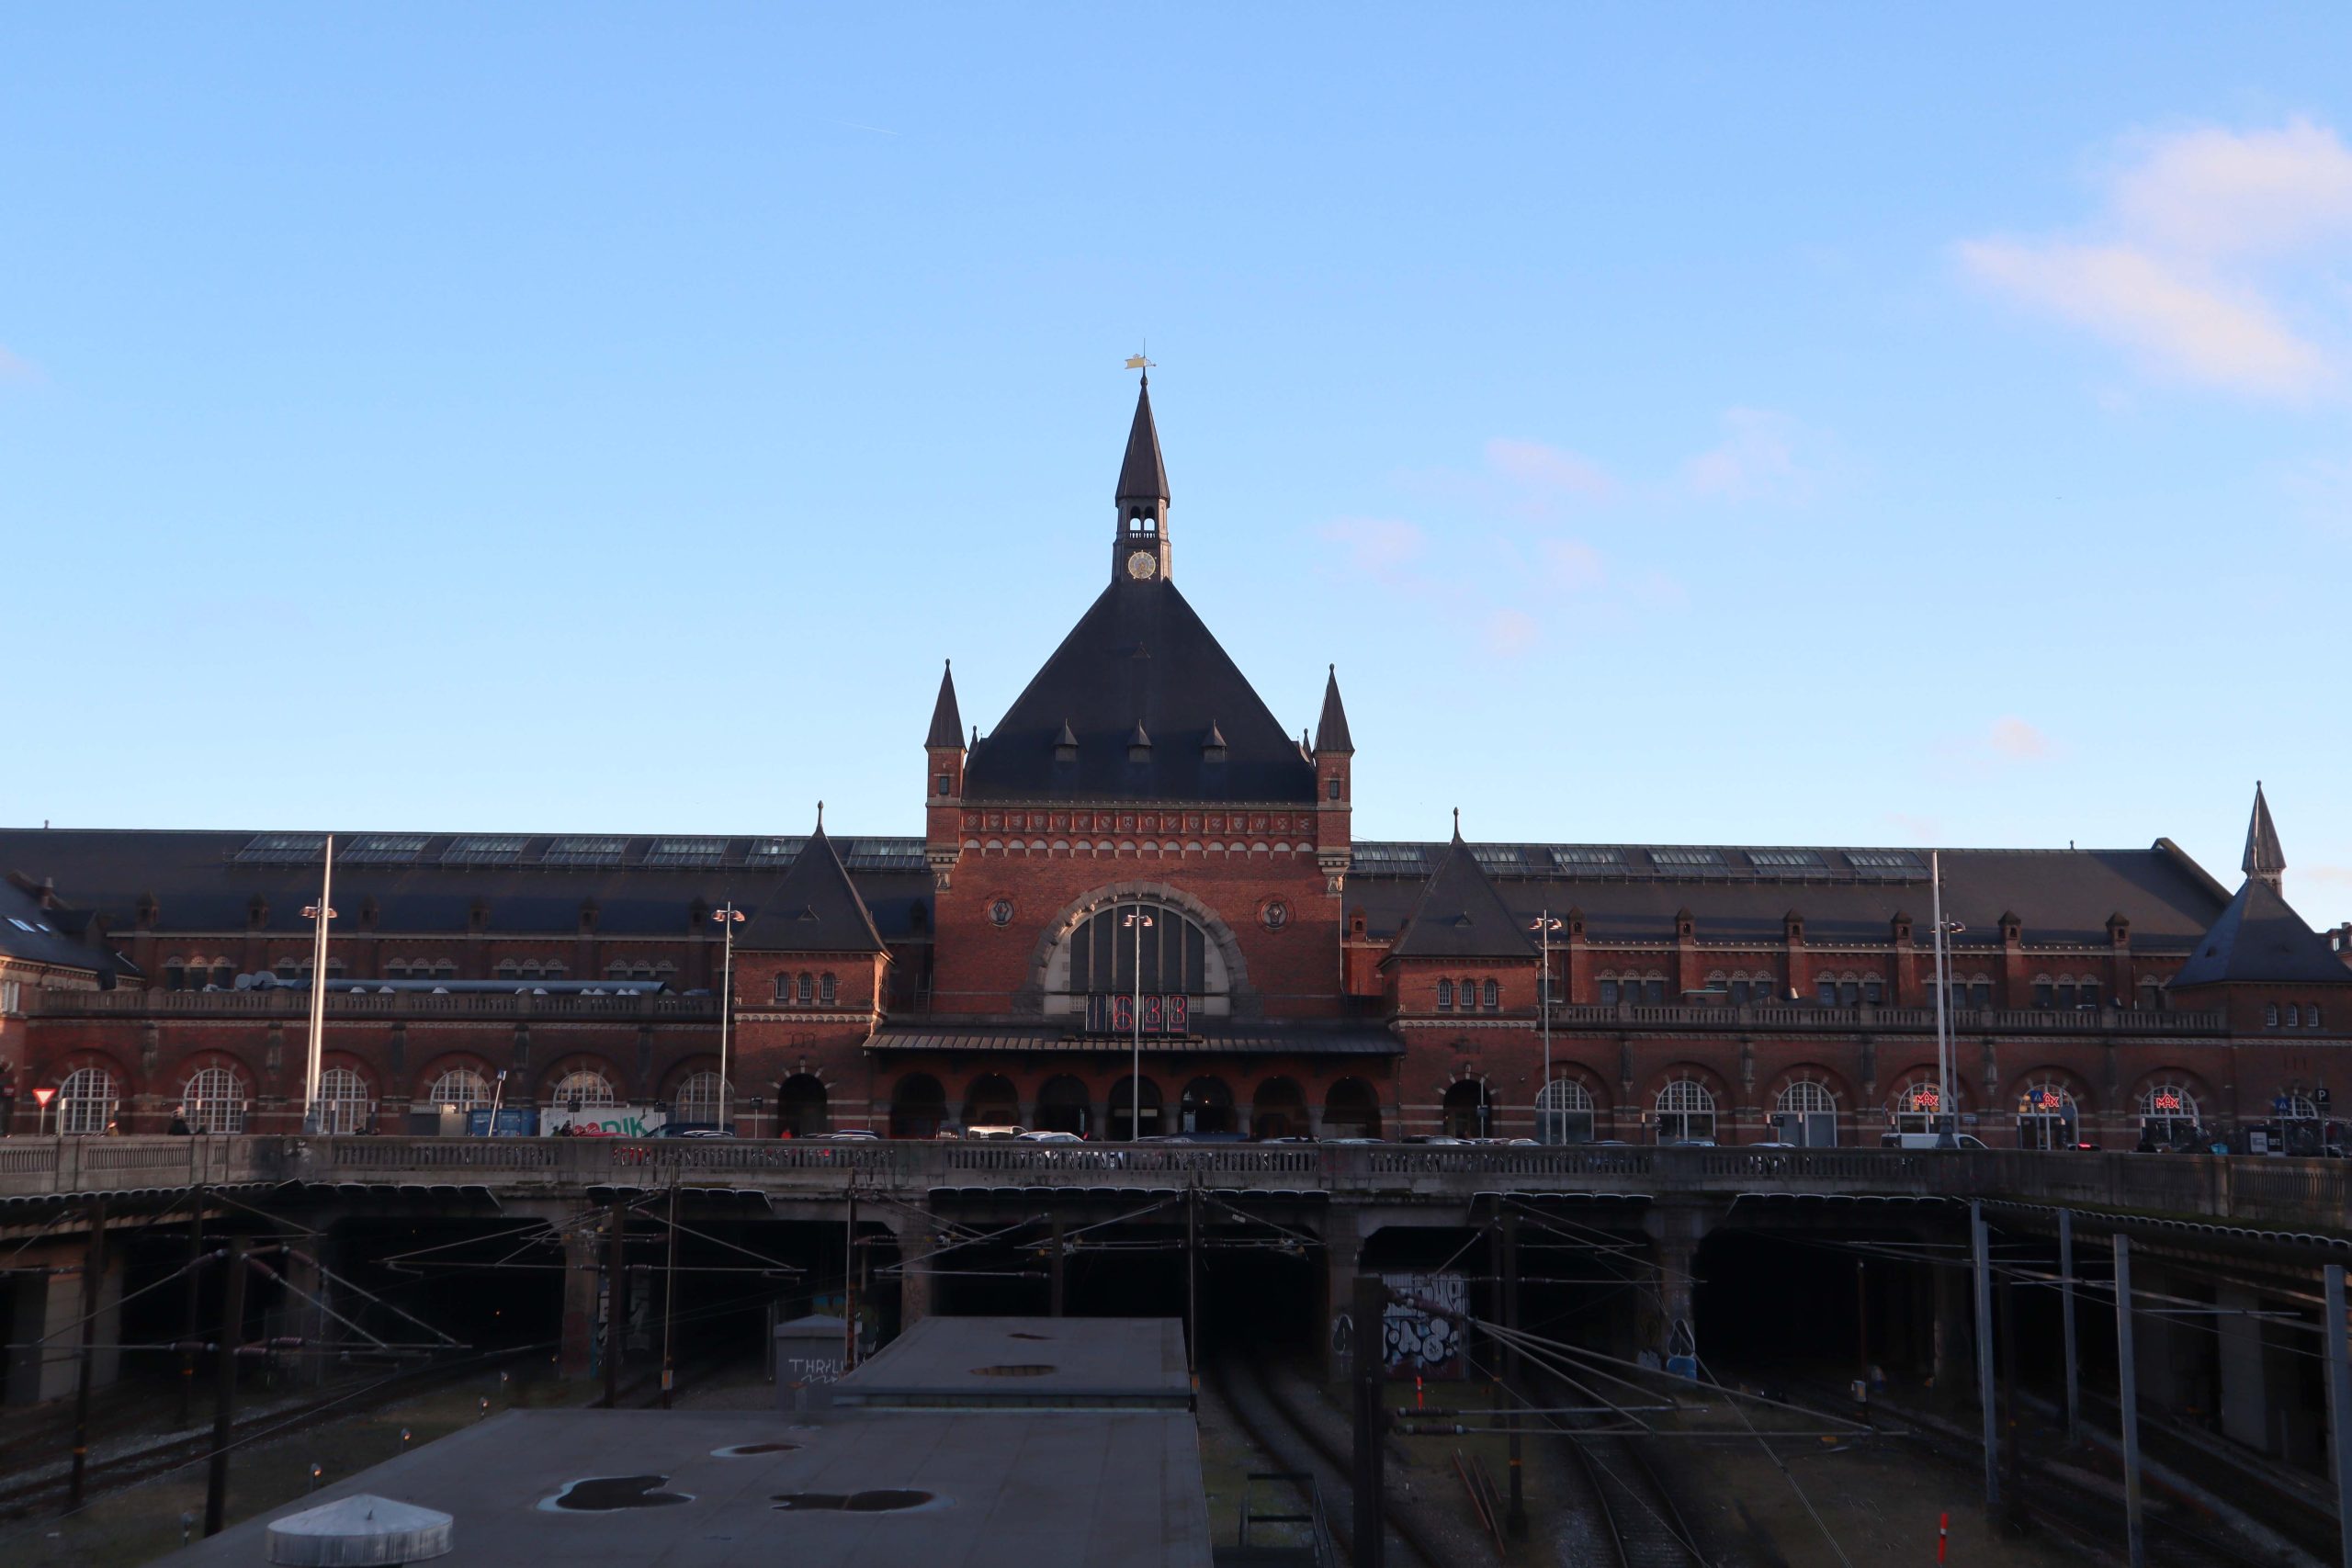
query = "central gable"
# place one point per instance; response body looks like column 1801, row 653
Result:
column 1139, row 703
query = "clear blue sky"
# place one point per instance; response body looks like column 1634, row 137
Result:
column 1736, row 423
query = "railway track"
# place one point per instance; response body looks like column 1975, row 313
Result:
column 1640, row 1525
column 2081, row 1514
column 1289, row 1436
column 20, row 1498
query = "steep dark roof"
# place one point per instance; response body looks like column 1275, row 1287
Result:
column 206, row 881
column 53, row 936
column 1139, row 657
column 946, row 722
column 2259, row 938
column 814, row 909
column 1331, row 730
column 1143, row 475
column 1630, row 892
column 1460, row 915
column 2264, row 856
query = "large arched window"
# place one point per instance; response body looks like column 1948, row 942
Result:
column 460, row 1087
column 1065, row 1106
column 1807, row 1114
column 85, row 1101
column 991, row 1102
column 215, row 1101
column 345, row 1104
column 2046, row 1116
column 1563, row 1112
column 578, row 1090
column 2168, row 1114
column 699, row 1102
column 1206, row 1107
column 1177, row 954
column 1686, row 1112
column 1278, row 1109
column 1915, row 1105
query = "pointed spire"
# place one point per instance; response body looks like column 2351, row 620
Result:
column 1143, row 475
column 1458, row 824
column 2265, row 860
column 947, row 719
column 1331, row 730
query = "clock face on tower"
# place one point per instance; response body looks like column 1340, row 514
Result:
column 1143, row 564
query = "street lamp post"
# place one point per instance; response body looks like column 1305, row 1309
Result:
column 1946, row 1121
column 1141, row 922
column 728, row 917
column 318, row 914
column 1545, row 924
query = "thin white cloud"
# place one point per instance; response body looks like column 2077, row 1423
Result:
column 2015, row 739
column 1571, row 564
column 1757, row 460
column 2176, row 323
column 2211, row 259
column 1549, row 470
column 2212, row 192
column 16, row 367
column 1378, row 547
column 1510, row 634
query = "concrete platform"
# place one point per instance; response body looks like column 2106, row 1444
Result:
column 861, row 1489
column 1095, row 1363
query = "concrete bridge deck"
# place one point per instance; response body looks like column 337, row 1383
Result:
column 2303, row 1195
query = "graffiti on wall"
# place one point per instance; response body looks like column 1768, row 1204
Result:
column 1421, row 1329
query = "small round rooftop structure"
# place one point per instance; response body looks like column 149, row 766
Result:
column 361, row 1529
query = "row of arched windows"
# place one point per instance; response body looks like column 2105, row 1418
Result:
column 531, row 969
column 2295, row 1015
column 807, row 988
column 1469, row 994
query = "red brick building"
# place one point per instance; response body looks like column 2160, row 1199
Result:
column 1140, row 866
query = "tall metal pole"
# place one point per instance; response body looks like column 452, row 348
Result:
column 1946, row 1120
column 616, row 1298
column 1370, row 1306
column 2339, row 1405
column 1140, row 920
column 1981, row 1248
column 1192, row 1283
column 728, row 917
column 1515, row 1516
column 320, row 914
column 2012, row 1452
column 670, row 1300
column 1055, row 1269
column 224, row 1385
column 849, row 1278
column 94, row 1266
column 2127, row 1381
column 1545, row 926
column 2066, row 1324
column 194, row 1331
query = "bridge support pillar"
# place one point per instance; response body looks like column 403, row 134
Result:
column 914, row 1233
column 2246, row 1405
column 582, row 1285
column 1342, row 1247
column 43, row 1310
column 1953, row 1352
column 1667, row 1323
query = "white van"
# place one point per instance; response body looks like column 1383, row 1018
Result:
column 1926, row 1141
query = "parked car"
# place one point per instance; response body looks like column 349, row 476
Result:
column 846, row 1135
column 1927, row 1141
column 1051, row 1137
column 997, row 1134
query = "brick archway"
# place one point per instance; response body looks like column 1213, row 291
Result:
column 1066, row 920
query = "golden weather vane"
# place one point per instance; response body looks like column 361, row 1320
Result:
column 1138, row 361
